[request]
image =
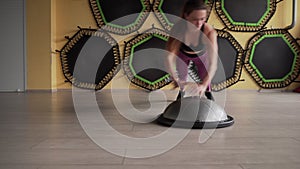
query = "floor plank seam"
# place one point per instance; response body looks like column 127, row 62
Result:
column 297, row 139
column 39, row 142
column 241, row 165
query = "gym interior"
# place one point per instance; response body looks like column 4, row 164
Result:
column 83, row 85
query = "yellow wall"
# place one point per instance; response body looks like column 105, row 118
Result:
column 281, row 19
column 44, row 68
column 38, row 43
column 67, row 15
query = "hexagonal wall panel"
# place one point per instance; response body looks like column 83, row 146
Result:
column 230, row 61
column 245, row 15
column 273, row 58
column 144, row 60
column 119, row 16
column 90, row 59
column 167, row 11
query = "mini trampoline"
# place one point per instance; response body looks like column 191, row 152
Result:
column 272, row 58
column 231, row 56
column 195, row 112
column 230, row 62
column 245, row 15
column 119, row 16
column 168, row 11
column 90, row 59
column 144, row 59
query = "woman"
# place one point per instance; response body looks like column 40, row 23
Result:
column 193, row 40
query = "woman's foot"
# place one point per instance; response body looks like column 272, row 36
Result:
column 180, row 95
column 209, row 96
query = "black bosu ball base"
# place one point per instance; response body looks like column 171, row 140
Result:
column 196, row 113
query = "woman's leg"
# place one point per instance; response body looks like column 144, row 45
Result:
column 182, row 70
column 202, row 66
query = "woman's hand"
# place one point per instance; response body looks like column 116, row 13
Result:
column 194, row 89
column 202, row 88
column 191, row 89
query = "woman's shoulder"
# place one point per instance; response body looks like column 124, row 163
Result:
column 209, row 29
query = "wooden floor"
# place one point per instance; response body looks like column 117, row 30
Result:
column 40, row 130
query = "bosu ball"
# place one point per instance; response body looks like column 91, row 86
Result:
column 195, row 112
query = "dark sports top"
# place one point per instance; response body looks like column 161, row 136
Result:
column 194, row 51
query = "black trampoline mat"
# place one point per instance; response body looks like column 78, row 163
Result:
column 148, row 58
column 94, row 61
column 151, row 75
column 246, row 11
column 89, row 59
column 72, row 54
column 172, row 7
column 273, row 58
column 227, row 60
column 128, row 11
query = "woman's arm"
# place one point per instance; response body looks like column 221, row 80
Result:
column 170, row 63
column 212, row 47
column 212, row 53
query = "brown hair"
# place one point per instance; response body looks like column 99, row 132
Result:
column 178, row 29
column 192, row 5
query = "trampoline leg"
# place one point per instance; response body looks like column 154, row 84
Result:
column 209, row 96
